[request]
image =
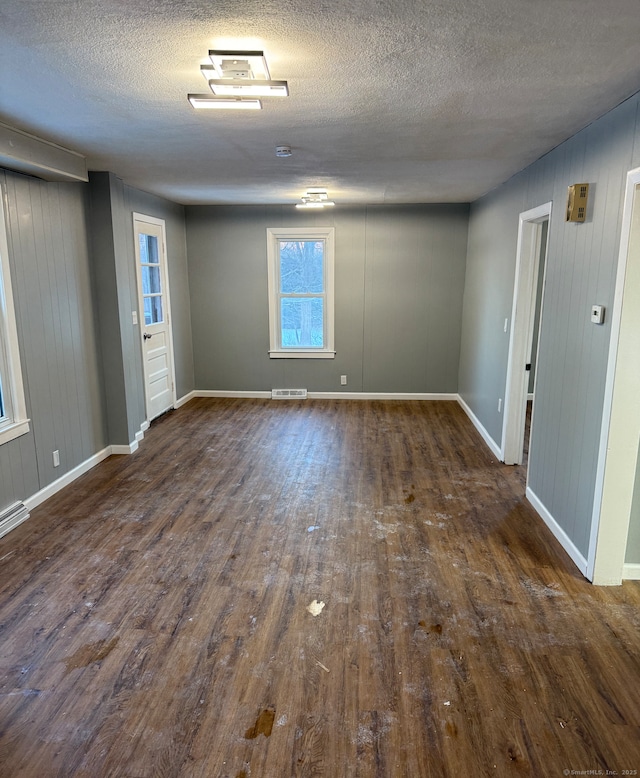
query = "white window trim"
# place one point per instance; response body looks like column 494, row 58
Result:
column 274, row 235
column 15, row 422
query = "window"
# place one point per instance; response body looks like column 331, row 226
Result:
column 301, row 292
column 13, row 415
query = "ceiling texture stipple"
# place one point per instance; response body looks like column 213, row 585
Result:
column 411, row 101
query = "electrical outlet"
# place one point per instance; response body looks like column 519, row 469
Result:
column 500, row 405
column 56, row 458
column 343, row 380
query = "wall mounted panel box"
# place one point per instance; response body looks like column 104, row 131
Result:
column 577, row 202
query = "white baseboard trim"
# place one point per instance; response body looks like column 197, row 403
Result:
column 323, row 395
column 559, row 534
column 12, row 516
column 130, row 449
column 495, row 449
column 48, row 491
column 184, row 400
column 631, row 572
column 82, row 468
column 379, row 396
column 225, row 393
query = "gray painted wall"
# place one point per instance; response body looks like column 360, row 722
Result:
column 116, row 294
column 106, row 277
column 74, row 280
column 399, row 284
column 49, row 256
column 572, row 355
column 633, row 541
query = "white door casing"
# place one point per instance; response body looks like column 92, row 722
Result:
column 620, row 433
column 154, row 314
column 521, row 335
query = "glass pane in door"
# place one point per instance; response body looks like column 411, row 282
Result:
column 151, row 279
column 148, row 249
column 153, row 310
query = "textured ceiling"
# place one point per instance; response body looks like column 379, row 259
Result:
column 405, row 101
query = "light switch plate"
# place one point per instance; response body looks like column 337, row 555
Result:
column 597, row 314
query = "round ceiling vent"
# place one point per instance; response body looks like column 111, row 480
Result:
column 283, row 151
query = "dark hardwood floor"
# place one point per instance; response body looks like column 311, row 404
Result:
column 157, row 616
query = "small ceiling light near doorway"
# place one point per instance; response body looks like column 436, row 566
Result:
column 315, row 198
column 207, row 102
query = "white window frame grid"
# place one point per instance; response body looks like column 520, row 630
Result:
column 14, row 421
column 274, row 236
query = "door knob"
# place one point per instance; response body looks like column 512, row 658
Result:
column 146, row 336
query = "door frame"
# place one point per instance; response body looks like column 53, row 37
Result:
column 521, row 335
column 141, row 218
column 620, row 431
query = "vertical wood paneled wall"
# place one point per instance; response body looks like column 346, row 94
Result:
column 50, row 265
column 573, row 352
column 80, row 350
column 399, row 281
column 116, row 297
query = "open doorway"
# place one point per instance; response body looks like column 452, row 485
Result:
column 523, row 342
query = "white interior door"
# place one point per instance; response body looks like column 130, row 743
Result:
column 155, row 325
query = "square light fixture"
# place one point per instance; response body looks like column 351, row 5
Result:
column 206, row 101
column 233, row 76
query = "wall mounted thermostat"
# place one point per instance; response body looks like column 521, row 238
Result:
column 597, row 314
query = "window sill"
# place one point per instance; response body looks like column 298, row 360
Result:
column 302, row 354
column 13, row 431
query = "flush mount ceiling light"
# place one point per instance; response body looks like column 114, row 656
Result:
column 315, row 198
column 207, row 102
column 234, row 76
column 241, row 74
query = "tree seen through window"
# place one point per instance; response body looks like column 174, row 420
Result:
column 302, row 293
